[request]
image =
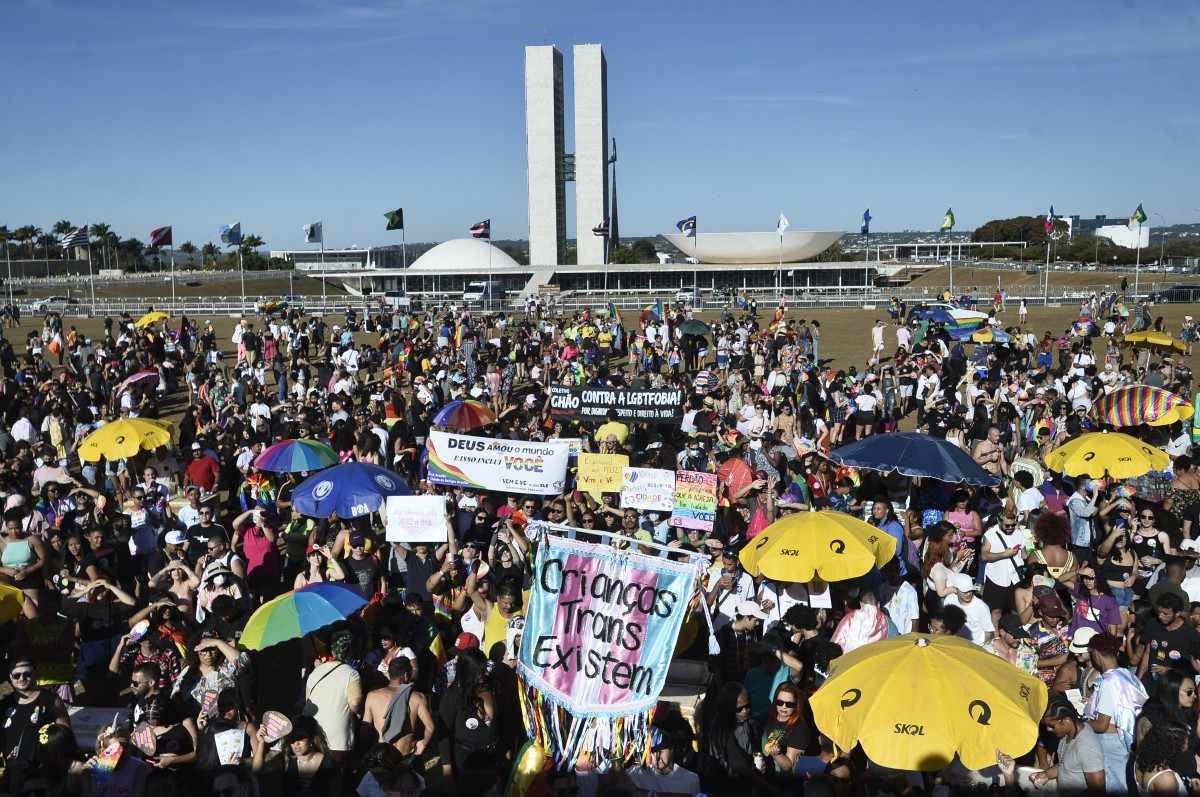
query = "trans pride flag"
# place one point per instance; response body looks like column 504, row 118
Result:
column 600, row 630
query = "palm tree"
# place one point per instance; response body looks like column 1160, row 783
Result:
column 112, row 241
column 99, row 233
column 210, row 250
column 134, row 249
column 61, row 228
column 250, row 245
column 25, row 234
column 46, row 241
column 189, row 249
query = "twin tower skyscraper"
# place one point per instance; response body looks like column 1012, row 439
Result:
column 550, row 167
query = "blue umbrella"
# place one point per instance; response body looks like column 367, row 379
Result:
column 913, row 454
column 350, row 490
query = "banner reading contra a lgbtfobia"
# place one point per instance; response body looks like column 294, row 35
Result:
column 486, row 463
column 663, row 405
column 601, row 626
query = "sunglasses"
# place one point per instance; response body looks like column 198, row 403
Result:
column 1146, row 517
column 785, row 703
column 20, row 676
column 743, row 707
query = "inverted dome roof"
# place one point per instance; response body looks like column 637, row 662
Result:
column 464, row 254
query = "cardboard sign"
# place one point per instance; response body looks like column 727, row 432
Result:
column 648, row 488
column 601, row 473
column 416, row 518
column 695, row 500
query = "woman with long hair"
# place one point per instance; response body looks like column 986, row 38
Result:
column 1157, row 753
column 304, row 766
column 1172, row 704
column 1051, row 533
column 786, row 735
column 729, row 739
column 467, row 716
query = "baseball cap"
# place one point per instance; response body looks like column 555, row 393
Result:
column 1081, row 638
column 196, row 447
column 963, row 583
column 750, row 609
column 357, row 538
column 466, row 641
column 175, row 537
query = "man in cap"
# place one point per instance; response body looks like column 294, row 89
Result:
column 739, row 639
column 663, row 775
column 979, row 614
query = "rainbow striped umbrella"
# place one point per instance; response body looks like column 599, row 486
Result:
column 300, row 612
column 462, row 416
column 1137, row 404
column 294, row 456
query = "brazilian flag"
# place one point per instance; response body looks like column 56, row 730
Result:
column 1138, row 217
column 395, row 219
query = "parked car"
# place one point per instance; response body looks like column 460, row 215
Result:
column 53, row 304
column 1177, row 293
column 688, row 296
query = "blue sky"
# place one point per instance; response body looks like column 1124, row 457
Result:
column 274, row 113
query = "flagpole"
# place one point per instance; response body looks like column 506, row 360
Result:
column 172, row 248
column 322, row 242
column 242, row 269
column 488, row 293
column 1137, row 268
column 91, row 278
column 8, row 260
column 779, row 268
column 1046, row 276
column 404, row 259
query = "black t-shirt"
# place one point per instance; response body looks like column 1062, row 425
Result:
column 98, row 620
column 1173, row 649
column 198, row 537
column 799, row 736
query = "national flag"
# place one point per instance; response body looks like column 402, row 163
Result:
column 482, row 230
column 438, row 649
column 1138, row 217
column 314, row 233
column 865, row 229
column 1050, row 221
column 601, row 228
column 782, row 224
column 395, row 219
column 687, row 226
column 76, row 237
column 231, row 234
column 948, row 220
column 161, row 236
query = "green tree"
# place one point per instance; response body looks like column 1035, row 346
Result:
column 61, row 228
column 133, row 249
column 622, row 255
column 209, row 253
column 99, row 233
column 25, row 235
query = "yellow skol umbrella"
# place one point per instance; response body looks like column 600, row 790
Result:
column 152, row 317
column 832, row 545
column 124, row 438
column 12, row 603
column 916, row 700
column 1154, row 340
column 1097, row 453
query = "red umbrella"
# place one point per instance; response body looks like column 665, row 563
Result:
column 736, row 474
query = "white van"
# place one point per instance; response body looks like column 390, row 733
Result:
column 489, row 291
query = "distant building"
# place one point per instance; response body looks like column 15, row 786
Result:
column 1082, row 226
column 342, row 259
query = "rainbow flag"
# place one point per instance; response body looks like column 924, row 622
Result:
column 654, row 311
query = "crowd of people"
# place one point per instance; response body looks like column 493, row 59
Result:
column 137, row 575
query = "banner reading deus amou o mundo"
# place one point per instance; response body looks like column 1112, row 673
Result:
column 593, row 403
column 601, row 626
column 485, row 463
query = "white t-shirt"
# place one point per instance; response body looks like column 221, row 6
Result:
column 1002, row 572
column 904, row 607
column 979, row 616
column 1030, row 500
column 727, row 600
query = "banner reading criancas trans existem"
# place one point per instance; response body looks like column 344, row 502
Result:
column 485, row 463
column 601, row 626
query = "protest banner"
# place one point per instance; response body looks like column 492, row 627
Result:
column 601, row 473
column 648, row 488
column 600, row 629
column 416, row 518
column 695, row 500
column 591, row 404
column 485, row 463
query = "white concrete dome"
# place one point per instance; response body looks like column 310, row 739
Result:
column 464, row 254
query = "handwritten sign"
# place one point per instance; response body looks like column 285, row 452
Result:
column 601, row 626
column 601, row 473
column 695, row 500
column 416, row 518
column 648, row 488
